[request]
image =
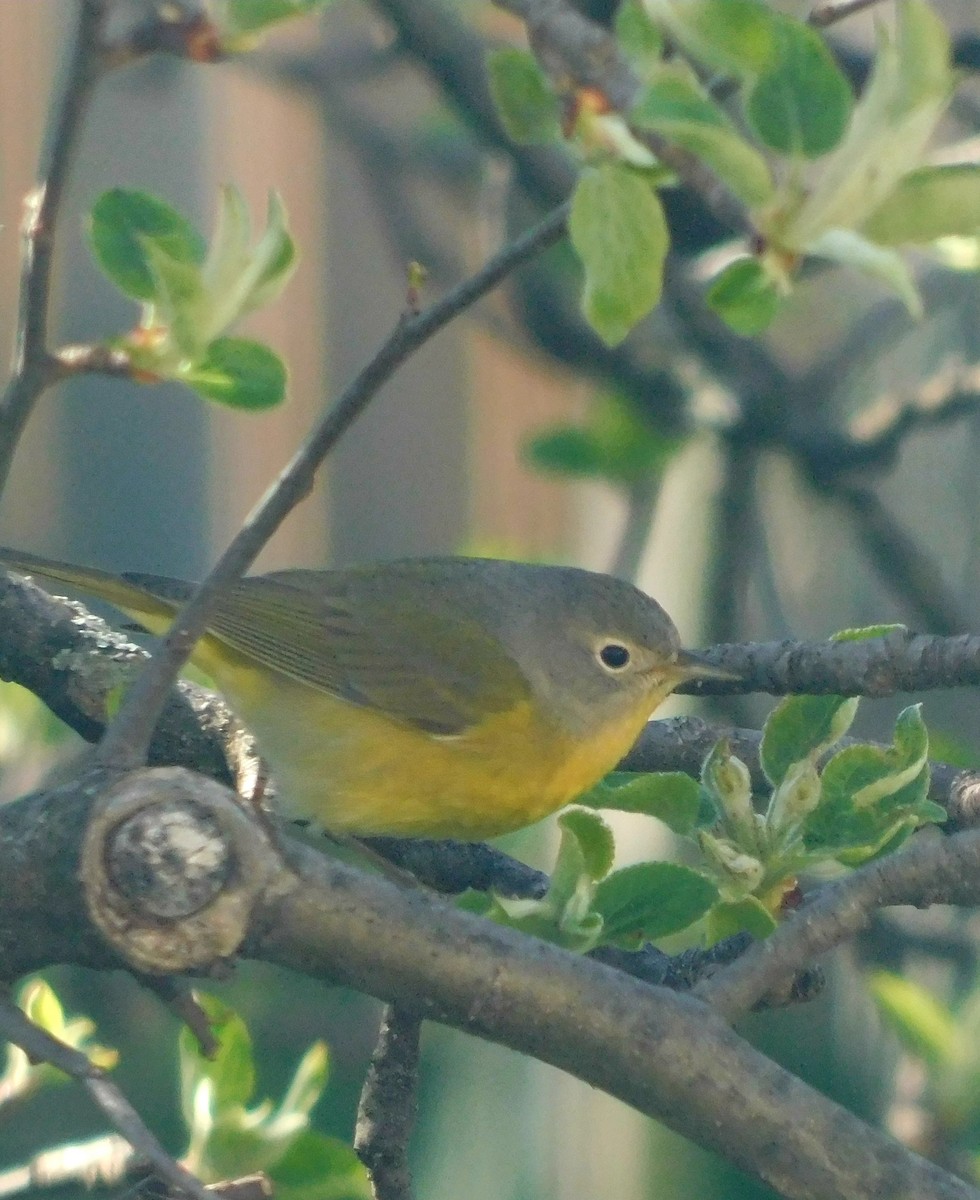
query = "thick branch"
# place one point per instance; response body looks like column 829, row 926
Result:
column 670, row 1056
column 654, row 1049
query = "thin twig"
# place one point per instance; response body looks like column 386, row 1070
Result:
column 389, row 1104
column 829, row 14
column 128, row 737
column 641, row 505
column 40, row 1046
column 33, row 367
column 736, row 534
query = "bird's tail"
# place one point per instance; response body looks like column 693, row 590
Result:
column 150, row 599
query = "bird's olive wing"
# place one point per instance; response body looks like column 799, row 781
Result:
column 411, row 661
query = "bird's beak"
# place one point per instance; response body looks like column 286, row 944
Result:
column 690, row 665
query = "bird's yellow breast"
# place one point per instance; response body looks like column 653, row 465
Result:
column 354, row 770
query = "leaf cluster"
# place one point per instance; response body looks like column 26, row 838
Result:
column 820, row 172
column 191, row 295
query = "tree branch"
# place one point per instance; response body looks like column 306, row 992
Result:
column 667, row 1054
column 388, row 1105
column 33, row 367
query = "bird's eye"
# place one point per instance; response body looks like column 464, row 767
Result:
column 614, row 656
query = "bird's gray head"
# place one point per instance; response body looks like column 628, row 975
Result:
column 592, row 647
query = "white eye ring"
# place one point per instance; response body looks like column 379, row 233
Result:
column 614, row 656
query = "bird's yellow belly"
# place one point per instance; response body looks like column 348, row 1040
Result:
column 353, row 770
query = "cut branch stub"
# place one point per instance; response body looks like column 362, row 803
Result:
column 171, row 868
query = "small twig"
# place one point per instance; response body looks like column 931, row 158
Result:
column 641, row 504
column 829, row 14
column 389, row 1104
column 33, row 368
column 40, row 1046
column 734, row 543
column 178, row 997
column 128, row 737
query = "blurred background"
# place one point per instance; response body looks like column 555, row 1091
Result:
column 823, row 477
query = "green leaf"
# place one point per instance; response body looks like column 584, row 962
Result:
column 867, row 632
column 802, row 727
column 240, row 278
column 568, row 450
column 526, row 104
column 240, row 373
column 850, row 249
column 892, row 122
column 745, row 297
column 617, row 445
column 738, row 37
column 317, row 1167
column 122, row 226
column 618, row 230
column 928, row 204
column 251, row 16
column 670, row 796
column 675, row 105
column 593, row 838
column 801, row 105
column 179, row 305
column 925, row 1027
column 651, row 900
column 728, row 917
column 872, row 794
column 639, row 38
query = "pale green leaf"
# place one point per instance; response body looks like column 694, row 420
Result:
column 850, row 249
column 802, row 727
column 674, row 105
column 618, row 230
column 925, row 1027
column 748, row 915
column 651, row 900
column 745, row 297
column 931, row 203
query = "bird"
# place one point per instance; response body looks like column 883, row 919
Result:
column 435, row 697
